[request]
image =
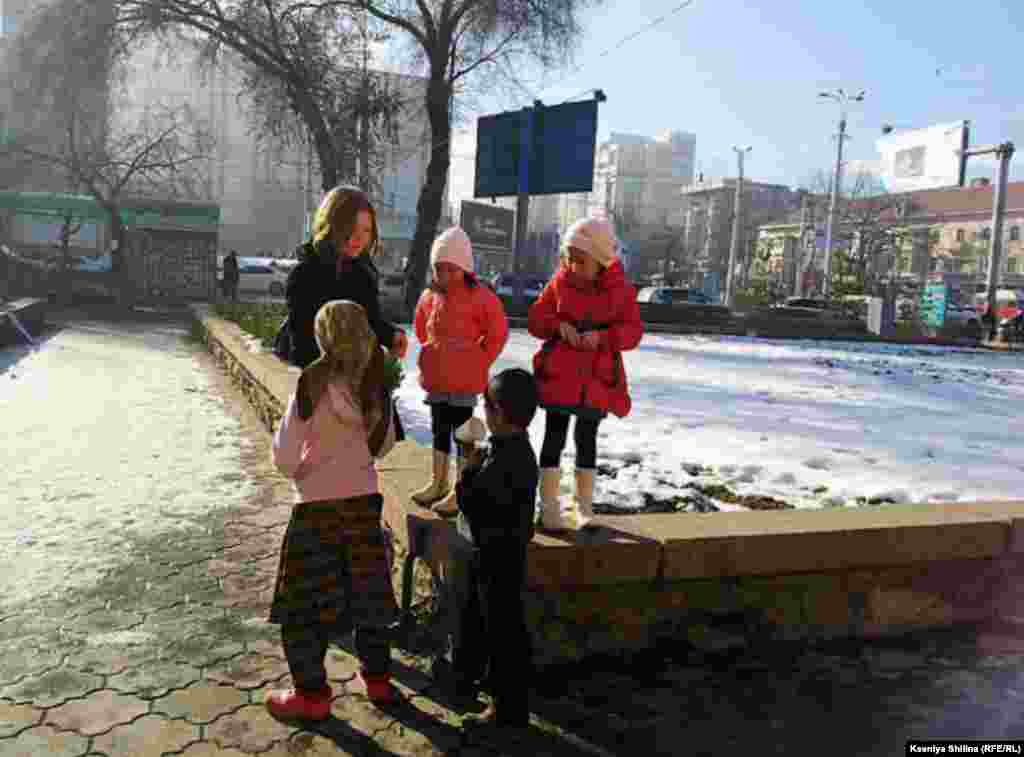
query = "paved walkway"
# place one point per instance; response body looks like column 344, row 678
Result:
column 140, row 543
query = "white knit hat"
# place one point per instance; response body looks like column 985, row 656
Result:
column 594, row 236
column 453, row 246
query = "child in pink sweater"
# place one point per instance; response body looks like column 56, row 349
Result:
column 333, row 575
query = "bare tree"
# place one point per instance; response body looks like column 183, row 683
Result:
column 868, row 234
column 304, row 70
column 71, row 60
column 458, row 41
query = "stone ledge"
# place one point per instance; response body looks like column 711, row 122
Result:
column 690, row 545
column 790, row 574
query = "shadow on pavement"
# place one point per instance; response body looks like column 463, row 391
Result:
column 12, row 355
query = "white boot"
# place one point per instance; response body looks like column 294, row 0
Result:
column 449, row 505
column 438, row 486
column 556, row 514
column 585, row 495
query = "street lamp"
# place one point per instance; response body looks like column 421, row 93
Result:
column 843, row 99
column 734, row 243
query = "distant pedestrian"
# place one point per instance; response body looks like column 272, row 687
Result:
column 496, row 496
column 334, row 575
column 231, row 276
column 462, row 329
column 337, row 264
column 587, row 316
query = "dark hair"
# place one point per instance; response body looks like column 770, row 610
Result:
column 514, row 391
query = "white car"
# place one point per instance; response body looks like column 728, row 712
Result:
column 505, row 285
column 258, row 275
column 672, row 296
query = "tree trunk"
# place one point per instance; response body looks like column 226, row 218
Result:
column 326, row 153
column 429, row 205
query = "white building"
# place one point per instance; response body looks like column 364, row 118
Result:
column 637, row 179
column 267, row 192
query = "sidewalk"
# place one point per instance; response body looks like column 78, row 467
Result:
column 167, row 653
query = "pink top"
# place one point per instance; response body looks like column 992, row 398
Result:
column 328, row 455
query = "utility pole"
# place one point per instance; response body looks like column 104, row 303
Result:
column 734, row 243
column 796, row 287
column 1004, row 152
column 842, row 98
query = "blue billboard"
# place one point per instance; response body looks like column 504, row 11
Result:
column 561, row 140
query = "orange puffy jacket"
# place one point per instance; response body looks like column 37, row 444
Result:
column 462, row 332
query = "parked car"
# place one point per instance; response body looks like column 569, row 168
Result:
column 803, row 303
column 257, row 275
column 964, row 315
column 1013, row 328
column 284, row 264
column 392, row 296
column 505, row 285
column 672, row 296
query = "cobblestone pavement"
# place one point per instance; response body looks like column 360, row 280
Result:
column 140, row 542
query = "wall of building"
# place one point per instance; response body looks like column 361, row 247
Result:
column 266, row 191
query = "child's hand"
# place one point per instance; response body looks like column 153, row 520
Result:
column 474, row 455
column 400, row 345
column 591, row 340
column 568, row 333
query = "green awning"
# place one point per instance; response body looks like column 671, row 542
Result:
column 133, row 212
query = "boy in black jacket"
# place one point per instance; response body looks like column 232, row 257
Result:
column 496, row 495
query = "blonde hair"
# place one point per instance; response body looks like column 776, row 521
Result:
column 336, row 217
column 343, row 334
column 347, row 345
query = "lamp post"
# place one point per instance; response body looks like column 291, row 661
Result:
column 843, row 99
column 730, row 274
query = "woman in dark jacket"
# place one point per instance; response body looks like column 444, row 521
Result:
column 336, row 264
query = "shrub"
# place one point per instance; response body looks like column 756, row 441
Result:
column 262, row 320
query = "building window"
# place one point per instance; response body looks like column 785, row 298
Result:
column 1015, row 233
column 960, row 235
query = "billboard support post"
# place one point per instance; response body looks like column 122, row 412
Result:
column 965, row 144
column 1004, row 152
column 523, row 198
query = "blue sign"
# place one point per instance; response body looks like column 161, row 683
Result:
column 712, row 286
column 561, row 141
column 933, row 304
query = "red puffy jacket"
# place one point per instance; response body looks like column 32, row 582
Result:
column 462, row 332
column 577, row 380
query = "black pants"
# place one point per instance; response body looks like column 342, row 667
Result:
column 444, row 419
column 556, row 430
column 305, row 649
column 493, row 640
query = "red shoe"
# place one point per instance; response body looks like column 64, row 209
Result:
column 379, row 689
column 300, row 705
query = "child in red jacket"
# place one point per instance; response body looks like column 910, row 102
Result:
column 587, row 316
column 462, row 328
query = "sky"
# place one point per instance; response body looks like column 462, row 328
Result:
column 742, row 72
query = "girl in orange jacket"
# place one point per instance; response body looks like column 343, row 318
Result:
column 462, row 328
